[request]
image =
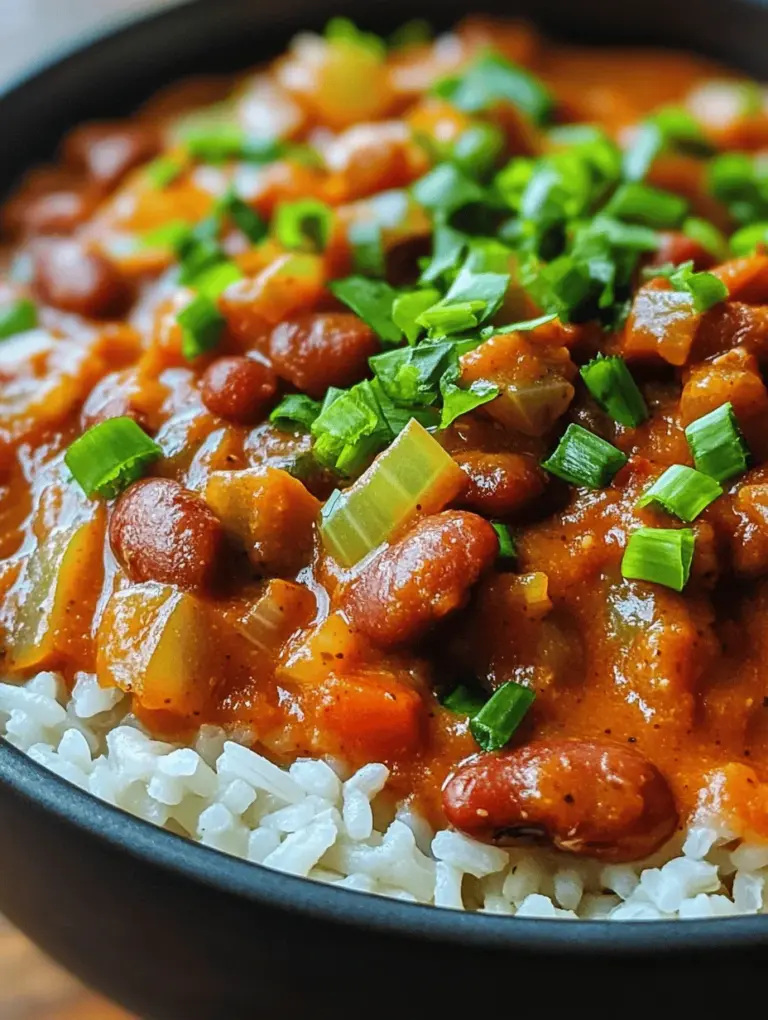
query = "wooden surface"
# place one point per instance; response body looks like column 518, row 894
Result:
column 33, row 988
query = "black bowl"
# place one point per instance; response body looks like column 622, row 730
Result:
column 178, row 932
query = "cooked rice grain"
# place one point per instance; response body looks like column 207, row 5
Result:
column 311, row 820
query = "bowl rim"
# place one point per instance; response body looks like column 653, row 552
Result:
column 155, row 846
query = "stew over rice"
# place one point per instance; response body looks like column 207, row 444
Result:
column 403, row 401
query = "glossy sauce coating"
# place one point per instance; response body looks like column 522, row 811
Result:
column 642, row 693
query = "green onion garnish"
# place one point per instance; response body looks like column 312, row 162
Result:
column 296, row 409
column 706, row 289
column 682, row 491
column 492, row 79
column 464, row 701
column 201, row 327
column 500, row 716
column 246, row 219
column 477, row 149
column 460, row 317
column 661, row 555
column 582, row 458
column 446, row 189
column 740, row 181
column 611, row 384
column 109, row 456
column 18, row 317
column 469, row 285
column 219, row 143
column 448, row 247
column 507, row 548
column 164, row 171
column 407, row 308
column 651, row 207
column 372, row 300
column 367, row 245
column 304, row 225
column 717, row 445
column 746, row 240
column 708, row 236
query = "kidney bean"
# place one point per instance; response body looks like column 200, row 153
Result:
column 499, row 483
column 316, row 351
column 593, row 798
column 421, row 578
column 57, row 212
column 160, row 531
column 108, row 151
column 76, row 279
column 238, row 389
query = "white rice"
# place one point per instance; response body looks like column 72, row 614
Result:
column 311, row 820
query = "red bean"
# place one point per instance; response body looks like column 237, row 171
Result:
column 499, row 483
column 111, row 398
column 57, row 212
column 316, row 351
column 593, row 798
column 160, row 531
column 422, row 578
column 238, row 389
column 108, row 151
column 69, row 276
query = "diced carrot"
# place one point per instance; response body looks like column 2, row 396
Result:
column 746, row 279
column 366, row 716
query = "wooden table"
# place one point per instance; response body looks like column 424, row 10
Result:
column 33, row 988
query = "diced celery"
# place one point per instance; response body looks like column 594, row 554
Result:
column 414, row 475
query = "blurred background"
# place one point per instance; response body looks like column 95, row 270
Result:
column 30, row 28
column 32, row 988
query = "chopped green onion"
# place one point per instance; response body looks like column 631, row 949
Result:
column 245, row 219
column 708, row 236
column 367, row 248
column 18, row 317
column 500, row 716
column 411, row 375
column 705, row 288
column 407, row 308
column 350, row 429
column 164, row 171
column 740, row 181
column 717, row 445
column 672, row 127
column 638, row 158
column 413, row 475
column 296, row 409
column 201, row 327
column 109, row 456
column 224, row 141
column 214, row 281
column 584, row 459
column 444, row 319
column 448, row 247
column 372, row 300
column 507, row 548
column 526, row 326
column 170, row 235
column 463, row 701
column 492, row 79
column 469, row 285
column 748, row 239
column 304, row 225
column 660, row 555
column 682, row 491
column 445, row 189
column 459, row 400
column 648, row 206
column 477, row 149
column 611, row 384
